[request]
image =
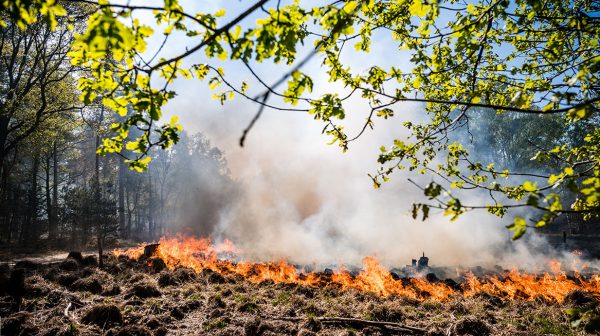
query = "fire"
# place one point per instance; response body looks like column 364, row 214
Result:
column 515, row 285
column 201, row 254
column 554, row 266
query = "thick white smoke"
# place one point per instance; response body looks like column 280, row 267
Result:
column 308, row 202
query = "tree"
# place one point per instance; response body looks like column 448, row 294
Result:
column 511, row 140
column 35, row 70
column 509, row 57
column 37, row 100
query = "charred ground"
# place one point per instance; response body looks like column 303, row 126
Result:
column 128, row 297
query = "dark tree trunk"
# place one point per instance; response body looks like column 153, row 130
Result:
column 129, row 214
column 3, row 169
column 100, row 252
column 138, row 213
column 4, row 208
column 54, row 218
column 121, row 204
column 150, row 208
column 30, row 231
column 99, row 226
column 49, row 210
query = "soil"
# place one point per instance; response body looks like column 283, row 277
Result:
column 127, row 297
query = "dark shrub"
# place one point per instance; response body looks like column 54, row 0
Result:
column 90, row 284
column 143, row 290
column 75, row 255
column 157, row 264
column 471, row 326
column 69, row 265
column 103, row 315
column 66, row 279
column 90, row 260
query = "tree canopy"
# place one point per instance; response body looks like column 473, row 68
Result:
column 510, row 58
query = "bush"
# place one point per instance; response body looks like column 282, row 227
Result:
column 471, row 326
column 103, row 315
column 90, row 260
column 90, row 284
column 75, row 255
column 69, row 265
column 144, row 290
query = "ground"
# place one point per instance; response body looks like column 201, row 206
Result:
column 127, row 297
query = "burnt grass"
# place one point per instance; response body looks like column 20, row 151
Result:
column 126, row 297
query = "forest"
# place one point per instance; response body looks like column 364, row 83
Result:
column 56, row 192
column 271, row 167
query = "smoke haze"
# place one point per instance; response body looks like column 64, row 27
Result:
column 300, row 199
column 303, row 200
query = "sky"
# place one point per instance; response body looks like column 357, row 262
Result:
column 306, row 201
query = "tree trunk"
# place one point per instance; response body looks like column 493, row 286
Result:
column 150, row 207
column 99, row 226
column 49, row 210
column 136, row 229
column 121, row 205
column 129, row 213
column 4, row 208
column 54, row 219
column 161, row 214
column 3, row 170
column 30, row 230
column 100, row 252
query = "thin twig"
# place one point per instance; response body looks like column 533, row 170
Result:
column 253, row 121
column 360, row 322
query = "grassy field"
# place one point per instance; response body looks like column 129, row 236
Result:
column 74, row 297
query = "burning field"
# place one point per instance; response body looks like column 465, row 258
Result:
column 187, row 286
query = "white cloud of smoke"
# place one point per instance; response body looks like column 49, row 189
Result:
column 308, row 202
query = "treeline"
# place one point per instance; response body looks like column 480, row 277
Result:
column 512, row 140
column 519, row 143
column 54, row 188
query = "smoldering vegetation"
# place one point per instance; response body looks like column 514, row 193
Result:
column 129, row 297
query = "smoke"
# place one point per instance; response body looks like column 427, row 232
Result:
column 194, row 186
column 297, row 198
column 302, row 200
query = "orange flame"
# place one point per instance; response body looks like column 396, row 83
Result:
column 201, row 254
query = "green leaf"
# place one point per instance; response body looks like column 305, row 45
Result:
column 471, row 9
column 433, row 190
column 415, row 210
column 519, row 226
column 418, row 8
column 569, row 171
column 519, row 232
column 529, row 187
column 425, row 210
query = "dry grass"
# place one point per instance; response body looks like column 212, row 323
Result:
column 129, row 298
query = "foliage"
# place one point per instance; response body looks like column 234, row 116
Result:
column 38, row 94
column 83, row 209
column 509, row 57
